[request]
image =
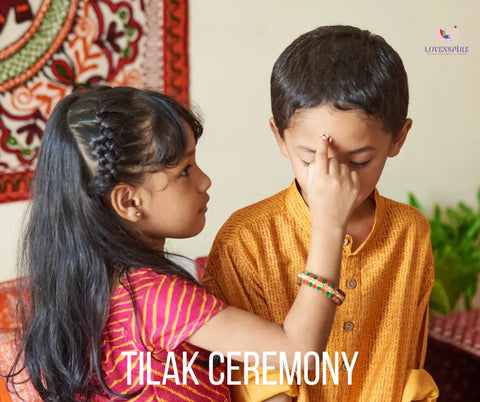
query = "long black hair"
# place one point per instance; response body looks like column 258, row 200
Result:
column 75, row 245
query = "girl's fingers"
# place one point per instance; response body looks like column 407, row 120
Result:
column 333, row 167
column 355, row 180
column 344, row 170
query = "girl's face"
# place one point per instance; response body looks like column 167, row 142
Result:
column 174, row 200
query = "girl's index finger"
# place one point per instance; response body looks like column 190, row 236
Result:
column 322, row 152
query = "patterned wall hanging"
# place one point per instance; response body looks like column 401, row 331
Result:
column 50, row 47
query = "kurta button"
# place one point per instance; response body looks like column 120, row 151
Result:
column 352, row 283
column 348, row 326
column 344, row 367
column 345, row 241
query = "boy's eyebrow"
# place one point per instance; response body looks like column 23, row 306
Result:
column 354, row 152
column 361, row 150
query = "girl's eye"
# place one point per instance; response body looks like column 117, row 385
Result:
column 358, row 165
column 185, row 172
column 305, row 163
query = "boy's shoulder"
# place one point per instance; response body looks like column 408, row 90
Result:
column 257, row 214
column 398, row 213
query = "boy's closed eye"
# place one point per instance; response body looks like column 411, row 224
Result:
column 359, row 165
column 354, row 165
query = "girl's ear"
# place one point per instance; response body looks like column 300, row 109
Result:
column 278, row 137
column 126, row 202
column 400, row 138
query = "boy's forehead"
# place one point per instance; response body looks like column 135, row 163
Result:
column 310, row 123
column 352, row 130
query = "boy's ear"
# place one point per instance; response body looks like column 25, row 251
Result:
column 278, row 137
column 126, row 201
column 400, row 138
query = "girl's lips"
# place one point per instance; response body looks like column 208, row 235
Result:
column 204, row 208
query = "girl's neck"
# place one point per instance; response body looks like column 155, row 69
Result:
column 157, row 243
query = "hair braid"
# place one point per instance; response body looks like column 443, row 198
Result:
column 104, row 149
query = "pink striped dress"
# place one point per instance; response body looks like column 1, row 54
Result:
column 169, row 310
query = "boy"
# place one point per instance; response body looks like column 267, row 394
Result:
column 352, row 85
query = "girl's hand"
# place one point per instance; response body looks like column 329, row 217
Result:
column 332, row 188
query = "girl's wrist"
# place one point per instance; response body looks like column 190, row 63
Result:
column 330, row 226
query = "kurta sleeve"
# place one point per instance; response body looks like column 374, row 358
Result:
column 231, row 275
column 420, row 385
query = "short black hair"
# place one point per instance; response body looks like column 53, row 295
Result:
column 344, row 66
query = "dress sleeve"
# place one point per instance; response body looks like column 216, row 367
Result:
column 231, row 275
column 173, row 309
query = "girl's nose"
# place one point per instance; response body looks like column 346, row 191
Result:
column 205, row 181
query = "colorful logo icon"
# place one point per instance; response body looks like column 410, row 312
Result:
column 447, row 34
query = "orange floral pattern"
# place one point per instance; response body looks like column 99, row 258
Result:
column 98, row 42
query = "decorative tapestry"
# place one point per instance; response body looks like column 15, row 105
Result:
column 48, row 48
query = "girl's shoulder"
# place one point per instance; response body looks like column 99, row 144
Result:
column 143, row 280
column 147, row 286
column 161, row 297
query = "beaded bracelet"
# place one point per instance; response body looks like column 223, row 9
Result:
column 324, row 286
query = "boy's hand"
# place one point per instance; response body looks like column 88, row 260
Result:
column 332, row 188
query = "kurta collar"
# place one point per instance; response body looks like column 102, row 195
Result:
column 297, row 207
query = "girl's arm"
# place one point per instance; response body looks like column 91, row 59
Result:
column 332, row 190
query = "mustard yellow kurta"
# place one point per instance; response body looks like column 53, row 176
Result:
column 387, row 280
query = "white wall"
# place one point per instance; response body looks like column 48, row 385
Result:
column 233, row 45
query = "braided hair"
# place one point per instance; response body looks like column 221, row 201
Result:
column 75, row 245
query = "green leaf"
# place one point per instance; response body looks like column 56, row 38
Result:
column 466, row 210
column 469, row 294
column 437, row 213
column 474, row 231
column 438, row 299
column 455, row 235
column 414, row 202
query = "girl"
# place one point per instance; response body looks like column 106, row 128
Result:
column 116, row 175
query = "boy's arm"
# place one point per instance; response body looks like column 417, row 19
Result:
column 231, row 272
column 427, row 272
column 420, row 386
column 232, row 276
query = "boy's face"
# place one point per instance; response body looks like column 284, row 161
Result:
column 358, row 141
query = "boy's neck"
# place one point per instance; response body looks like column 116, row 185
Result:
column 361, row 222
